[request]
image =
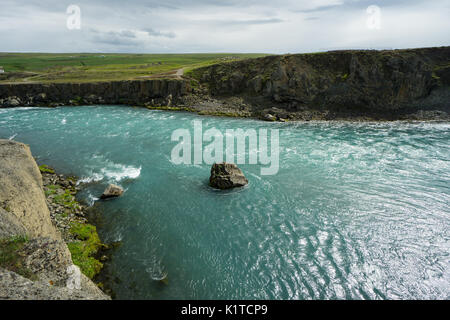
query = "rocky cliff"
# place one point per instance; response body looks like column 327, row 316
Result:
column 360, row 84
column 390, row 84
column 135, row 92
column 35, row 262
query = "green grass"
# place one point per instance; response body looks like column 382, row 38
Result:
column 66, row 199
column 51, row 189
column 44, row 168
column 84, row 250
column 87, row 67
column 11, row 259
column 87, row 243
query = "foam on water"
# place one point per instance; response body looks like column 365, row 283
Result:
column 13, row 136
column 106, row 170
column 119, row 172
column 93, row 177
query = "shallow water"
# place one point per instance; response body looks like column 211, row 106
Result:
column 356, row 211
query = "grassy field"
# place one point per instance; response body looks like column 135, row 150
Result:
column 86, row 67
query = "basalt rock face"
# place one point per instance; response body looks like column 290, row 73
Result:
column 116, row 92
column 24, row 215
column 409, row 84
column 386, row 84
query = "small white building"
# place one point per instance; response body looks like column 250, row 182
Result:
column 1, row 70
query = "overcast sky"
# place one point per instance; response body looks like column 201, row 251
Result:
column 169, row 26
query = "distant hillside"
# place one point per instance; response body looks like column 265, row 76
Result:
column 88, row 67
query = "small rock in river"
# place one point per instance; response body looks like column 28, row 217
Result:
column 112, row 191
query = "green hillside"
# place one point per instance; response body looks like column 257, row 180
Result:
column 84, row 67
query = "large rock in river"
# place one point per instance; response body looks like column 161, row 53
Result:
column 112, row 191
column 226, row 176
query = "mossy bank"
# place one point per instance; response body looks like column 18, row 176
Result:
column 70, row 218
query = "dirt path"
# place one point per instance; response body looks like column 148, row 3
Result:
column 174, row 74
column 180, row 73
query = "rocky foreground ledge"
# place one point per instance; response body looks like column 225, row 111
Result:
column 35, row 261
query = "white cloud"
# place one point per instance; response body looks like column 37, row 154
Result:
column 213, row 25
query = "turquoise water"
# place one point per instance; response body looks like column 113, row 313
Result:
column 356, row 211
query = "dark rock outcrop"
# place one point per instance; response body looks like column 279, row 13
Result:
column 226, row 176
column 112, row 191
column 388, row 84
column 351, row 84
column 134, row 92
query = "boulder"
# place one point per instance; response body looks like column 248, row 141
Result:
column 169, row 100
column 40, row 98
column 269, row 117
column 112, row 191
column 11, row 102
column 92, row 99
column 226, row 176
column 16, row 287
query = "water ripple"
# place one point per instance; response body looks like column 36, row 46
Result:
column 357, row 210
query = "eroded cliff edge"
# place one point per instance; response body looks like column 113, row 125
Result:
column 27, row 234
column 355, row 84
column 365, row 84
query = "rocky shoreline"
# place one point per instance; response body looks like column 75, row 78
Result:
column 47, row 248
column 60, row 194
column 65, row 212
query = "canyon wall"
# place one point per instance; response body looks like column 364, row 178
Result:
column 114, row 92
column 385, row 83
column 353, row 84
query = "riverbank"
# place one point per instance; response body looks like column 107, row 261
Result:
column 72, row 219
column 44, row 238
column 362, row 85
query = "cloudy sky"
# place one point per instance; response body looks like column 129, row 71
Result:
column 272, row 26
